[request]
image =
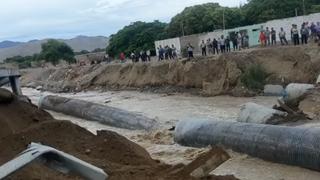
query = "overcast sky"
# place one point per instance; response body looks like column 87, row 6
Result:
column 23, row 20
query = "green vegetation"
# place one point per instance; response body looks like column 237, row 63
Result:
column 135, row 37
column 204, row 18
column 82, row 52
column 98, row 50
column 258, row 11
column 254, row 78
column 53, row 51
column 23, row 62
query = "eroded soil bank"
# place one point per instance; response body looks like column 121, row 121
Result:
column 208, row 76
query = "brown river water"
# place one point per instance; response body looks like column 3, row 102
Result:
column 168, row 110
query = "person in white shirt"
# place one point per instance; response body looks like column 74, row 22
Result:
column 203, row 47
column 222, row 44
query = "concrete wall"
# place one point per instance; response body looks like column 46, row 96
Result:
column 215, row 34
column 252, row 30
column 287, row 23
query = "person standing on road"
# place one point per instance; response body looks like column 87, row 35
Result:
column 122, row 57
column 313, row 31
column 267, row 34
column 235, row 42
column 295, row 35
column 149, row 55
column 203, row 48
column 161, row 53
column 215, row 46
column 317, row 29
column 222, row 44
column 170, row 53
column 273, row 36
column 209, row 47
column 133, row 57
column 304, row 34
column 240, row 42
column 262, row 39
column 282, row 36
column 190, row 51
column 174, row 51
column 227, row 42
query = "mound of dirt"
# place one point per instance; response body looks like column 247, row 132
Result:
column 210, row 76
column 22, row 123
column 311, row 104
column 17, row 115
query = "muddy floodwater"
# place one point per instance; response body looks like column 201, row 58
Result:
column 168, row 110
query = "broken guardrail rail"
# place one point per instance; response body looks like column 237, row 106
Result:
column 54, row 159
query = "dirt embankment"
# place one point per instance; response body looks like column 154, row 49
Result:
column 22, row 123
column 210, row 76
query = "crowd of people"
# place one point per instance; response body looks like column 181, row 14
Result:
column 235, row 42
column 144, row 56
column 222, row 44
column 298, row 36
column 167, row 52
column 267, row 37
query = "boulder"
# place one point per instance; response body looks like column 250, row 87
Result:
column 6, row 96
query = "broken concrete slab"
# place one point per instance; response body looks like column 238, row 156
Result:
column 257, row 114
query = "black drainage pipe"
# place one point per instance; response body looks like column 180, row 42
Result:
column 95, row 112
column 299, row 146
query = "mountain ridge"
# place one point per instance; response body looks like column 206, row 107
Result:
column 10, row 48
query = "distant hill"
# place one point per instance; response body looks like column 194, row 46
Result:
column 6, row 44
column 79, row 43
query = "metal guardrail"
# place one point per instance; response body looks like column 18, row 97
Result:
column 9, row 73
column 54, row 159
column 11, row 76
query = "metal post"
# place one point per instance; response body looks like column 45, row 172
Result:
column 182, row 28
column 304, row 7
column 223, row 17
column 15, row 85
column 296, row 10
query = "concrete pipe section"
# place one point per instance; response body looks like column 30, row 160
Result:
column 95, row 112
column 280, row 144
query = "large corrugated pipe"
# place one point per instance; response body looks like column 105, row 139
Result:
column 297, row 146
column 95, row 112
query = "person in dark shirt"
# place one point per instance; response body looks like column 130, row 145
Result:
column 215, row 46
column 304, row 34
column 161, row 52
column 190, row 51
column 227, row 43
column 235, row 42
column 273, row 36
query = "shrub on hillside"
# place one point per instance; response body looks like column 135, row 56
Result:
column 254, row 77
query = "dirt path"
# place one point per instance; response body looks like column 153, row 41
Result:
column 168, row 110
